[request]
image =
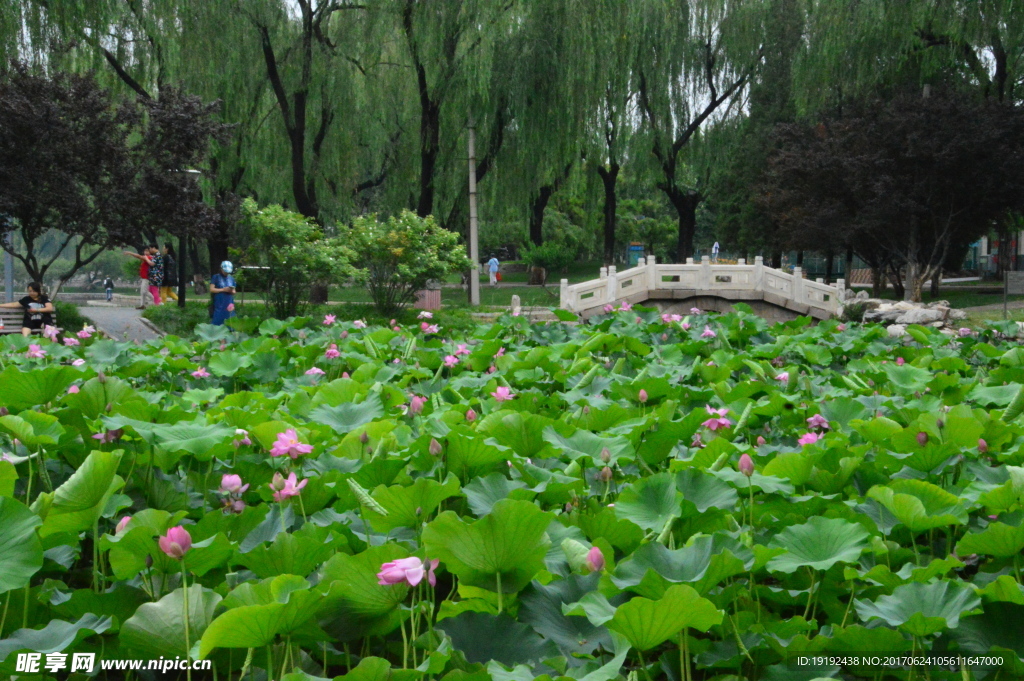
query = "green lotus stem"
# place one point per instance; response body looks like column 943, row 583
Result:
column 188, row 644
column 206, row 482
column 270, row 665
column 1015, row 407
column 643, row 664
column 44, row 474
column 95, row 555
column 853, row 593
column 666, row 531
column 405, row 646
column 744, row 417
column 810, row 594
column 750, row 489
column 3, row 617
column 1016, row 567
column 28, row 488
column 500, row 602
column 682, row 655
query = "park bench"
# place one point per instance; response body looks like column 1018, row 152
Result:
column 12, row 320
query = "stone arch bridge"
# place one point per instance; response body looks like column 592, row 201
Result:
column 772, row 293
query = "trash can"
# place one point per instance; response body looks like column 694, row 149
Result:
column 636, row 251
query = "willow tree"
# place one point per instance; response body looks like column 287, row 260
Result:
column 694, row 60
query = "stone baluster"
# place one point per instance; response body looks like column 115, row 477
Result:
column 563, row 296
column 613, row 284
column 797, row 293
column 652, row 274
column 705, row 273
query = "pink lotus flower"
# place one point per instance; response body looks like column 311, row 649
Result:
column 782, row 377
column 409, row 570
column 500, row 352
column 502, row 394
column 470, row 415
column 87, row 331
column 359, row 324
column 685, row 326
column 900, row 361
column 416, row 404
column 109, row 436
column 176, row 542
column 71, row 341
column 435, row 447
column 74, row 389
column 760, row 440
column 642, row 396
column 963, row 331
column 201, row 372
column 809, row 438
column 746, row 465
column 625, row 307
column 287, row 444
column 332, row 352
column 35, row 352
column 50, row 332
column 78, row 362
column 717, row 420
column 450, row 360
column 425, row 315
column 707, row 332
column 841, row 327
column 329, row 319
column 461, row 350
column 608, row 308
column 315, row 371
column 595, row 559
column 491, row 369
column 982, row 446
column 818, row 421
column 232, row 484
column 344, row 334
column 285, row 487
column 430, row 328
column 231, row 307
column 396, row 329
column 241, row 438
column 121, row 524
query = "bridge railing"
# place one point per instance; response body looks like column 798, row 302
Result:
column 739, row 281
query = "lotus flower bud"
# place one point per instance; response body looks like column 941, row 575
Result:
column 606, row 454
column 746, row 465
column 595, row 559
column 586, row 411
column 760, row 440
column 364, row 438
column 922, row 438
column 110, row 407
column 3, row 411
column 123, row 523
column 642, row 396
column 664, row 337
column 435, row 447
column 982, row 446
column 471, row 415
column 605, row 474
column 277, row 483
column 939, row 423
column 344, row 335
column 101, row 377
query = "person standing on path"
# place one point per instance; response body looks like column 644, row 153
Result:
column 144, row 279
column 108, row 286
column 222, row 286
column 156, row 273
column 492, row 270
column 170, row 281
column 714, row 252
column 38, row 309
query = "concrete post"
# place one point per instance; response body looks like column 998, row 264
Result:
column 652, row 274
column 613, row 284
column 563, row 296
column 798, row 285
column 841, row 288
column 705, row 273
column 689, row 261
column 474, row 251
column 641, row 278
column 604, row 273
column 758, row 273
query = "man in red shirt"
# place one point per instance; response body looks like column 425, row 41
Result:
column 145, row 287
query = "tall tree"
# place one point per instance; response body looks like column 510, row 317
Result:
column 694, row 60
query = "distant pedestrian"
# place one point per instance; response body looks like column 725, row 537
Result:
column 222, row 286
column 714, row 252
column 108, row 286
column 146, row 286
column 492, row 270
column 170, row 281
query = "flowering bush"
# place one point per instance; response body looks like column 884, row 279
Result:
column 603, row 501
column 398, row 257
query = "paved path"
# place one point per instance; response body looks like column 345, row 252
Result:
column 123, row 323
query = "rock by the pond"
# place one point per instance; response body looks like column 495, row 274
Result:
column 921, row 315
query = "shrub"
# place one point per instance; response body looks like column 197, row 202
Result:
column 294, row 255
column 399, row 256
column 68, row 316
column 551, row 255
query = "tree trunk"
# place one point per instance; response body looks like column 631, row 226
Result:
column 537, row 208
column 609, row 177
column 936, row 280
column 876, row 282
column 217, row 246
column 685, row 202
column 799, row 258
column 914, row 284
column 776, row 259
column 829, row 257
column 430, row 136
column 848, row 269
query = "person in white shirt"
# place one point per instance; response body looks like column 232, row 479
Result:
column 492, row 269
column 714, row 252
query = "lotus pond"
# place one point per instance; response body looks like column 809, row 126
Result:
column 642, row 497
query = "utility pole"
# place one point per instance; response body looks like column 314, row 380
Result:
column 474, row 249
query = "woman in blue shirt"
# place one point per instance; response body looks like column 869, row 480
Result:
column 222, row 286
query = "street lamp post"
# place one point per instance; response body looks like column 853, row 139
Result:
column 183, row 250
column 474, row 250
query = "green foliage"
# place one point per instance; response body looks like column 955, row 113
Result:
column 399, row 256
column 551, row 255
column 294, row 255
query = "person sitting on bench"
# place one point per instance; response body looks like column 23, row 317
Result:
column 38, row 309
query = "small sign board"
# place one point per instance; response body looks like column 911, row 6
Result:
column 1013, row 286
